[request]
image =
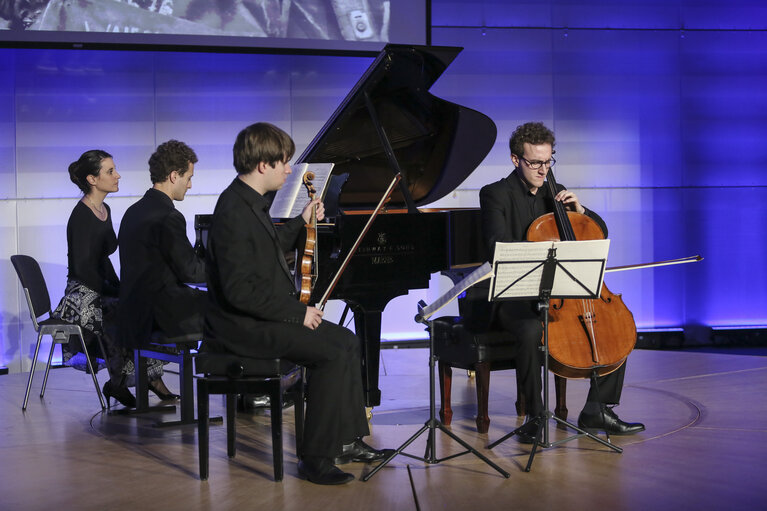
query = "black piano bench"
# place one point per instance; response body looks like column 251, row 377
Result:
column 180, row 350
column 456, row 345
column 229, row 374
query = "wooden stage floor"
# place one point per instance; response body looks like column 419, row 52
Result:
column 705, row 447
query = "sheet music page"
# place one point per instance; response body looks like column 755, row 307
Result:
column 519, row 268
column 290, row 200
column 477, row 275
column 584, row 260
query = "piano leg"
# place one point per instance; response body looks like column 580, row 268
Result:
column 367, row 324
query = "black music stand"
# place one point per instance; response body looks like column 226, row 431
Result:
column 433, row 424
column 548, row 275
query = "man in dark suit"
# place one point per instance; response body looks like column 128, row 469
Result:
column 254, row 310
column 156, row 257
column 509, row 206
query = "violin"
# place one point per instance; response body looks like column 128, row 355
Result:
column 585, row 335
column 307, row 276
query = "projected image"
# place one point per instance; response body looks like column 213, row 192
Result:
column 350, row 20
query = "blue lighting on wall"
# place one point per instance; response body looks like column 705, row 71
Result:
column 660, row 113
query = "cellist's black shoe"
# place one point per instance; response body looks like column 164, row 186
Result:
column 609, row 423
column 360, row 452
column 322, row 471
column 526, row 434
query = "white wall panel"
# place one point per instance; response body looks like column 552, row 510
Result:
column 11, row 314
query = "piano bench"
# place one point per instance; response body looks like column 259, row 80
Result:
column 230, row 374
column 455, row 345
column 180, row 350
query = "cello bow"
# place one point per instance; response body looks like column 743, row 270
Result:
column 683, row 260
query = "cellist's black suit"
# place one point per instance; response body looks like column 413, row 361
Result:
column 254, row 311
column 508, row 209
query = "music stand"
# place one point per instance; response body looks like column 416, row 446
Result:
column 433, row 424
column 522, row 272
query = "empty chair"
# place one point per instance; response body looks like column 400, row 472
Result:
column 39, row 302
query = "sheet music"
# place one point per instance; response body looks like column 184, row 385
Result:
column 518, row 268
column 478, row 275
column 585, row 261
column 525, row 273
column 290, row 200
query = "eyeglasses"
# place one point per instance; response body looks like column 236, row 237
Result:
column 535, row 165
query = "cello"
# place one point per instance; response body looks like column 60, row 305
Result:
column 586, row 336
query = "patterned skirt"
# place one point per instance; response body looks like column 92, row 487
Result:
column 83, row 306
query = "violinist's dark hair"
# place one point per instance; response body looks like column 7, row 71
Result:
column 89, row 164
column 534, row 133
column 169, row 156
column 261, row 142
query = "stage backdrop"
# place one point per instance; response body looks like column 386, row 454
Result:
column 660, row 113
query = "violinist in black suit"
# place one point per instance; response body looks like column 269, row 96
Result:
column 254, row 309
column 157, row 260
column 508, row 207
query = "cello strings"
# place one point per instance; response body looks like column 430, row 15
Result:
column 588, row 314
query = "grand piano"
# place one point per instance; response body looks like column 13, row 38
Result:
column 390, row 123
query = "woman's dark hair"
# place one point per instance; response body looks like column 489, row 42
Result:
column 534, row 133
column 89, row 164
column 261, row 142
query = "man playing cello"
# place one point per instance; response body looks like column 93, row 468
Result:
column 508, row 207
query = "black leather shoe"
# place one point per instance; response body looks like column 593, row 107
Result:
column 526, row 434
column 258, row 403
column 360, row 452
column 322, row 471
column 610, row 423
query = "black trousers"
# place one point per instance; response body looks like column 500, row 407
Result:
column 523, row 322
column 335, row 406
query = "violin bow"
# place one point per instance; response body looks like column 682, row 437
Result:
column 356, row 245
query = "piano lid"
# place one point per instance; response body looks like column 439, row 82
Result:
column 437, row 144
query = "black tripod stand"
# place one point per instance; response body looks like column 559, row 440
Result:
column 432, row 425
column 541, row 421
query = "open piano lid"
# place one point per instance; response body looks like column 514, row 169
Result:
column 437, row 144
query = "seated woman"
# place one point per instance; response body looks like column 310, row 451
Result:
column 90, row 298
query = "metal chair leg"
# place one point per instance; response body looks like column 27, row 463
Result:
column 32, row 371
column 109, row 370
column 92, row 370
column 47, row 368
